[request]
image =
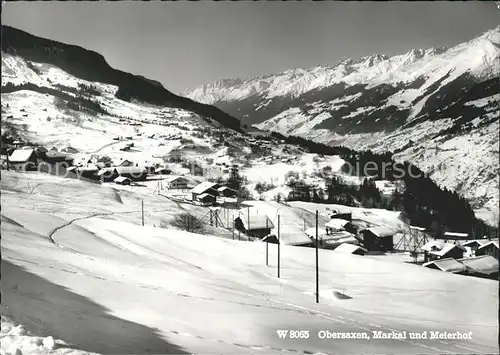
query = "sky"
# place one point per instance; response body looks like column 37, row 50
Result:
column 186, row 44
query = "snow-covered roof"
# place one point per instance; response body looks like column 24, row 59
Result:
column 433, row 245
column 69, row 150
column 205, row 195
column 381, row 232
column 224, row 188
column 204, row 186
column 120, row 179
column 259, row 221
column 339, row 237
column 475, row 241
column 348, row 248
column 21, row 155
column 53, row 154
column 446, row 249
column 448, row 265
column 130, row 170
column 172, row 178
column 311, row 232
column 89, row 167
column 484, row 264
column 456, row 235
column 495, row 243
column 336, row 223
column 162, row 168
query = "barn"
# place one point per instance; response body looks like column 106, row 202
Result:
column 257, row 226
column 378, row 238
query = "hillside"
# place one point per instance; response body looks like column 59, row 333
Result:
column 91, row 66
column 436, row 108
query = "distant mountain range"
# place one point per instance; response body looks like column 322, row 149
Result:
column 437, row 108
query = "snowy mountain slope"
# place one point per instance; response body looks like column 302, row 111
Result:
column 91, row 66
column 109, row 285
column 422, row 99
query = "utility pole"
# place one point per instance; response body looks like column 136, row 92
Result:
column 142, row 212
column 317, row 260
column 279, row 244
column 267, row 254
column 267, row 247
column 248, row 217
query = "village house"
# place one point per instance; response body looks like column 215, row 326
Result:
column 205, row 187
column 378, row 238
column 206, row 199
column 474, row 245
column 23, row 160
column 490, row 248
column 256, row 226
column 176, row 182
column 435, row 250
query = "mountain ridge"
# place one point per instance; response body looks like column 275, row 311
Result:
column 92, row 66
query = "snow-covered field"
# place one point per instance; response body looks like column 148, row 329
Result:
column 103, row 283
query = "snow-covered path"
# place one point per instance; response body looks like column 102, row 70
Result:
column 117, row 287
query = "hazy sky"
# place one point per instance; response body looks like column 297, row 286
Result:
column 186, row 44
